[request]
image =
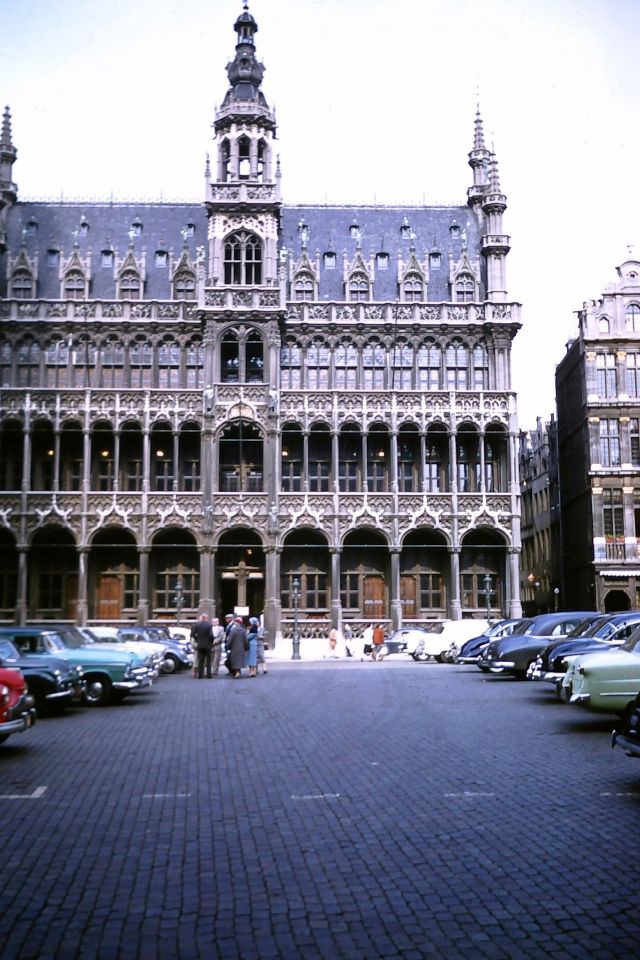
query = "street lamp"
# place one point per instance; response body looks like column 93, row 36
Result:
column 556, row 598
column 295, row 600
column 487, row 591
column 179, row 598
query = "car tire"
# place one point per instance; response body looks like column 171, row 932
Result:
column 97, row 691
column 169, row 665
column 3, row 737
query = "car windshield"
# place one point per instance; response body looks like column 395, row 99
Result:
column 524, row 626
column 632, row 643
column 601, row 627
column 8, row 651
column 72, row 639
column 54, row 642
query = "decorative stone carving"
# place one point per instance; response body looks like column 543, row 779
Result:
column 84, row 310
column 112, row 310
column 55, row 310
column 141, row 311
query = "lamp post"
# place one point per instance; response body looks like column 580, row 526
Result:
column 487, row 592
column 179, row 598
column 295, row 600
column 556, row 598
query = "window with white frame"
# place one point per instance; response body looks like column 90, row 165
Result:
column 632, row 317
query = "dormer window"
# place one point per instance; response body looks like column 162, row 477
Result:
column 329, row 261
column 382, row 261
column 106, row 259
column 184, row 285
column 161, row 259
column 465, row 288
column 22, row 285
column 84, row 228
column 434, row 261
column 53, row 258
column 354, row 231
column 405, row 230
column 74, row 285
column 32, row 227
column 303, row 286
column 454, row 230
column 412, row 288
column 188, row 230
column 358, row 287
column 130, row 285
column 135, row 229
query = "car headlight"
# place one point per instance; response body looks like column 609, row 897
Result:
column 4, row 694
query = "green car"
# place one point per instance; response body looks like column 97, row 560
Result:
column 607, row 681
column 110, row 675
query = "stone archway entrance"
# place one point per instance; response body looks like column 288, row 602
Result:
column 240, row 568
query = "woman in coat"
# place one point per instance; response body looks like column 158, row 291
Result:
column 236, row 647
column 251, row 659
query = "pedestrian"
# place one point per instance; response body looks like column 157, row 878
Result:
column 367, row 641
column 251, row 658
column 236, row 647
column 261, row 658
column 332, row 650
column 378, row 641
column 202, row 636
column 218, row 642
column 347, row 633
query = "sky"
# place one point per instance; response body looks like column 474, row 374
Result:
column 375, row 102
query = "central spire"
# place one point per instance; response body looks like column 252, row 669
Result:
column 245, row 72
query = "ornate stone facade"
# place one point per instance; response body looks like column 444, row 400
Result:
column 304, row 410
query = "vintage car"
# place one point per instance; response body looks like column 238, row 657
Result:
column 607, row 681
column 470, row 650
column 17, row 711
column 179, row 653
column 51, row 681
column 152, row 653
column 109, row 675
column 441, row 640
column 627, row 735
column 513, row 654
column 610, row 630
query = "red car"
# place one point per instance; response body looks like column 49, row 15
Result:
column 17, row 710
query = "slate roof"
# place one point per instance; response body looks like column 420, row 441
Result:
column 48, row 226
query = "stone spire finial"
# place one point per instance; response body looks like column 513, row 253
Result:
column 478, row 136
column 5, row 136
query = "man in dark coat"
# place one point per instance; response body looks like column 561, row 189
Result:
column 237, row 646
column 202, row 636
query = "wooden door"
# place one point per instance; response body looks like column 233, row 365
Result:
column 408, row 596
column 374, row 603
column 108, row 597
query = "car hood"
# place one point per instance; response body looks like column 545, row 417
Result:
column 615, row 660
column 88, row 657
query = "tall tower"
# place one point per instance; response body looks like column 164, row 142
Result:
column 495, row 244
column 244, row 193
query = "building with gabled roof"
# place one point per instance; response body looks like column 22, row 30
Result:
column 302, row 411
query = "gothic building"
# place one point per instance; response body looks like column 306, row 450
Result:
column 598, row 398
column 242, row 403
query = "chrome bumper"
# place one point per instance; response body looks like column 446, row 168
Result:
column 630, row 747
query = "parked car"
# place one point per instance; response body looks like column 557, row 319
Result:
column 109, row 675
column 471, row 649
column 442, row 639
column 17, row 710
column 610, row 630
column 51, row 681
column 607, row 681
column 394, row 643
column 179, row 653
column 627, row 735
column 513, row 654
column 152, row 653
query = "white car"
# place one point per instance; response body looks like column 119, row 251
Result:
column 607, row 681
column 442, row 639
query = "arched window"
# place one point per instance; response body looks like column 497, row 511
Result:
column 358, row 287
column 290, row 366
column 168, row 365
column 457, row 366
column 480, row 368
column 244, row 158
column 22, row 285
column 28, row 358
column 74, row 286
column 225, row 159
column 141, row 363
column 465, row 288
column 429, row 367
column 345, row 364
column 373, row 366
column 184, row 285
column 194, row 364
column 6, row 361
column 112, row 363
column 632, row 317
column 261, row 157
column 242, row 358
column 401, row 366
column 130, row 285
column 317, row 366
column 243, row 259
column 412, row 288
column 303, row 286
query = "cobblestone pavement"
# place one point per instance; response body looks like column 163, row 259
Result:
column 326, row 810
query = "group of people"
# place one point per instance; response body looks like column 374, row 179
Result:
column 372, row 642
column 243, row 647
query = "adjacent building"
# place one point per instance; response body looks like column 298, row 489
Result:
column 304, row 410
column 541, row 573
column 598, row 403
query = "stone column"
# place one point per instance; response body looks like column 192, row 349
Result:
column 143, row 600
column 514, row 608
column 82, row 604
column 272, row 604
column 336, row 602
column 394, row 589
column 22, row 604
column 455, row 605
